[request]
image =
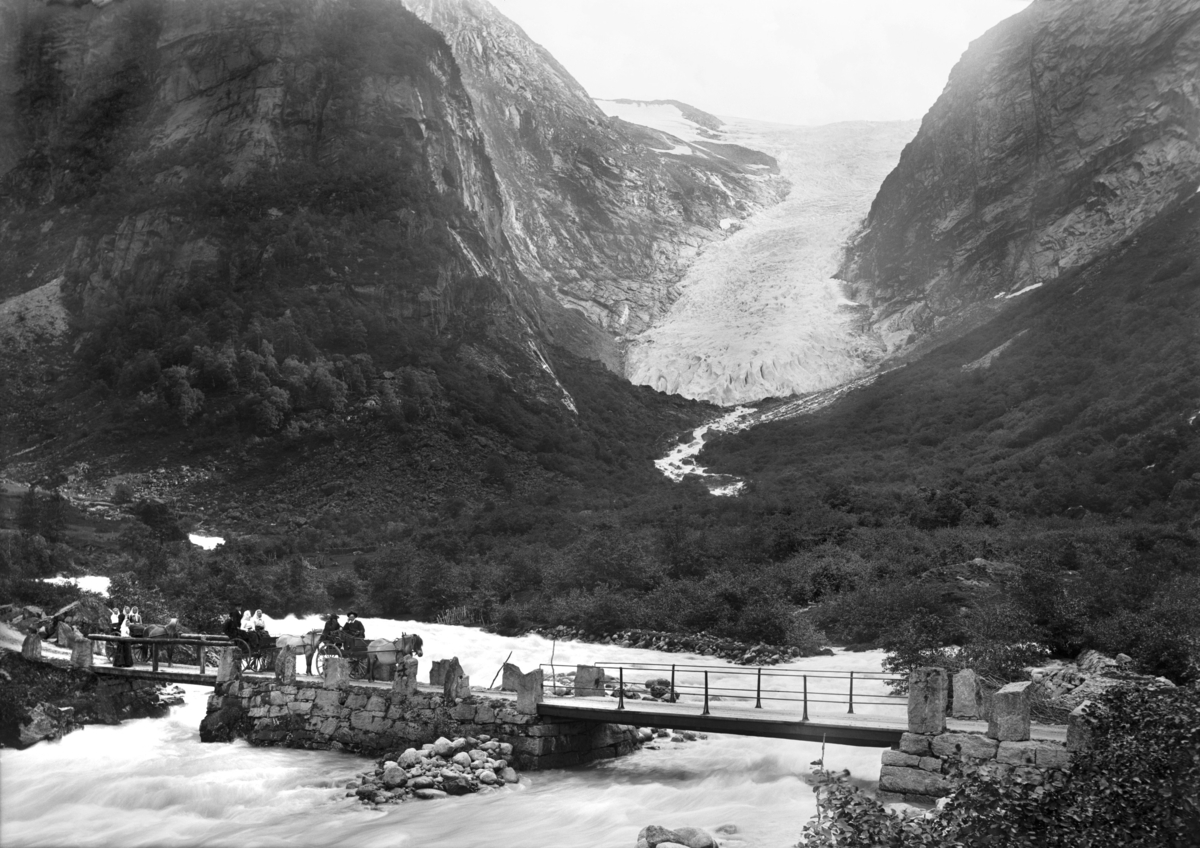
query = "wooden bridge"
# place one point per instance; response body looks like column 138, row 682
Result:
column 838, row 707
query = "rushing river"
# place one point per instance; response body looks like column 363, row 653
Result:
column 151, row 782
column 680, row 462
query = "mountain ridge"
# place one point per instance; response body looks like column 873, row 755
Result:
column 1060, row 132
column 603, row 222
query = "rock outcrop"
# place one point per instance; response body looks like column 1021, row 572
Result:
column 604, row 215
column 250, row 146
column 1061, row 131
column 42, row 701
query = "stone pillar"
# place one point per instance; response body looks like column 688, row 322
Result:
column 455, row 684
column 66, row 636
column 227, row 668
column 589, row 680
column 81, row 653
column 1079, row 728
column 31, row 648
column 927, row 700
column 529, row 692
column 285, row 667
column 405, row 684
column 1009, row 721
column 437, row 671
column 512, row 674
column 337, row 673
column 968, row 699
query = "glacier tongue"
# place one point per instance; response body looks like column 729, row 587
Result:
column 760, row 314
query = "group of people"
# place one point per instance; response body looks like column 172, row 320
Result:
column 335, row 631
column 124, row 622
column 248, row 626
column 123, row 619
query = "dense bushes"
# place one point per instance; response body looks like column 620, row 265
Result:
column 1135, row 787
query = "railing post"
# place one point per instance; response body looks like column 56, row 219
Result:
column 805, row 716
column 705, row 694
column 200, row 652
column 758, row 692
column 621, row 683
column 674, row 697
column 851, row 693
column 153, row 656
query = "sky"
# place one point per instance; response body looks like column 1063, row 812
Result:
column 787, row 61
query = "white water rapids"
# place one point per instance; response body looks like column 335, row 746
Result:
column 680, row 462
column 151, row 782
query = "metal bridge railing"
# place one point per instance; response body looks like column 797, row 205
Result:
column 764, row 684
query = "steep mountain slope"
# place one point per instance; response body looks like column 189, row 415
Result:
column 253, row 209
column 604, row 216
column 1082, row 397
column 1061, row 131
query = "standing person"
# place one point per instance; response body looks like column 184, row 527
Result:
column 124, row 653
column 114, row 621
column 353, row 628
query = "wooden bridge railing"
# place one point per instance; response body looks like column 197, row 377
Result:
column 152, row 644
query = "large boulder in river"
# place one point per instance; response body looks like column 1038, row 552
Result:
column 654, row 835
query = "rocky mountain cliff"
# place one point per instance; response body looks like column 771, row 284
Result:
column 1061, row 131
column 314, row 164
column 603, row 215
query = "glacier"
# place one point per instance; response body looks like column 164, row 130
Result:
column 759, row 313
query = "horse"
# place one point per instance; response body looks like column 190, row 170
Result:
column 306, row 644
column 170, row 630
column 392, row 651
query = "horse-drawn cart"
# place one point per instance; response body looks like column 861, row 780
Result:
column 352, row 649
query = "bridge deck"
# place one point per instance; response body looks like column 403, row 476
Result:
column 875, row 730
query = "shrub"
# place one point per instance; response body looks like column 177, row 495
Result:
column 1135, row 787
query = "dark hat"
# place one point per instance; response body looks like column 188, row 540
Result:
column 352, row 613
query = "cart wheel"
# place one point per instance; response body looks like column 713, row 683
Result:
column 324, row 651
column 358, row 667
column 241, row 655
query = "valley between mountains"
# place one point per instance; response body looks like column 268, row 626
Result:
column 377, row 292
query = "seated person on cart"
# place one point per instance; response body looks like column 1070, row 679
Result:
column 353, row 629
column 231, row 628
column 260, row 639
column 333, row 629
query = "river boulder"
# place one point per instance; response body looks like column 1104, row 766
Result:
column 653, row 836
column 394, row 776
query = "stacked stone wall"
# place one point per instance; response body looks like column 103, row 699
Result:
column 929, row 758
column 336, row 714
column 926, row 765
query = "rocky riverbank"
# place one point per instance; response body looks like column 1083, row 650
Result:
column 41, row 701
column 743, row 653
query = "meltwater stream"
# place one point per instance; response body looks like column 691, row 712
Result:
column 151, row 782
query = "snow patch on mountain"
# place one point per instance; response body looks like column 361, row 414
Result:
column 677, row 150
column 760, row 314
column 663, row 117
